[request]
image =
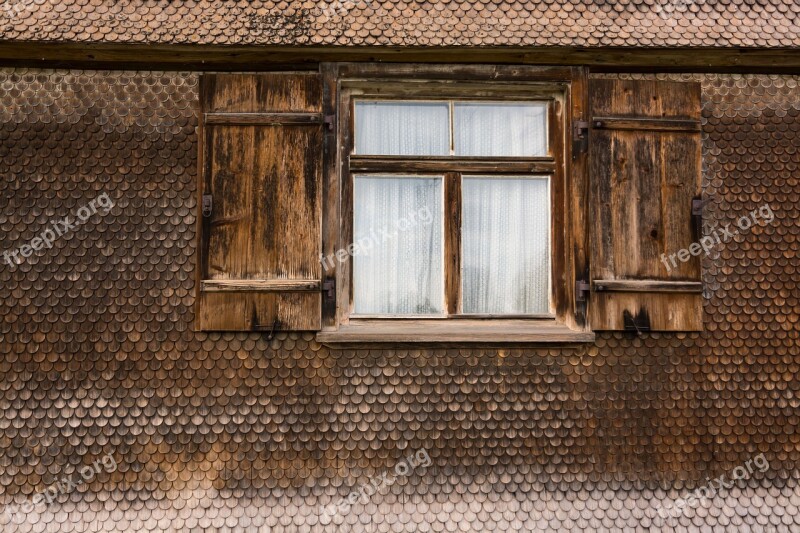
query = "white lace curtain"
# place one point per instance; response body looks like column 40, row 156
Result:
column 423, row 128
column 397, row 228
column 402, row 128
column 505, row 259
column 500, row 129
column 505, row 220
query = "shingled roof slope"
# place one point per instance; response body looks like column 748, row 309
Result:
column 582, row 23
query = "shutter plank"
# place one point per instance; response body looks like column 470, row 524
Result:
column 277, row 92
column 661, row 312
column 682, row 182
column 642, row 182
column 233, row 152
column 284, row 236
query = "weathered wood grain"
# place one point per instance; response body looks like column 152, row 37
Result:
column 369, row 163
column 636, row 285
column 640, row 124
column 268, row 119
column 452, row 242
column 330, row 189
column 462, row 331
column 658, row 311
column 643, row 182
column 577, row 200
column 260, row 285
column 264, row 175
column 259, row 57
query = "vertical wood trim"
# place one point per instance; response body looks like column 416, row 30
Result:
column 558, row 210
column 344, row 279
column 452, row 242
column 577, row 194
column 330, row 191
column 200, row 237
column 203, row 224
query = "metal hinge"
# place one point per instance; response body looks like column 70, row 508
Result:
column 581, row 290
column 329, row 288
column 697, row 206
column 329, row 120
column 580, row 128
column 207, row 205
column 697, row 215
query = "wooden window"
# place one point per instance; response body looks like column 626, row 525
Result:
column 485, row 161
column 645, row 173
column 539, row 205
column 260, row 201
column 496, row 234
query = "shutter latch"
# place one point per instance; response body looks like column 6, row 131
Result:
column 329, row 121
column 207, row 205
column 329, row 288
column 580, row 129
column 581, row 290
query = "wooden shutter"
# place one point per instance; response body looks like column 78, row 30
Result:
column 645, row 171
column 261, row 160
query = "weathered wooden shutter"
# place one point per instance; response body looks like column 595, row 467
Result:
column 645, row 171
column 261, row 160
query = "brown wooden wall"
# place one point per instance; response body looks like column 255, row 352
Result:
column 222, row 431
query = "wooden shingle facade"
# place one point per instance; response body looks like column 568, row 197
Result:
column 111, row 360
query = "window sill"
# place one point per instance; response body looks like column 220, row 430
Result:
column 491, row 331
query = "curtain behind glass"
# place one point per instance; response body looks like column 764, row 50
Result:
column 505, row 245
column 397, row 229
column 500, row 129
column 402, row 128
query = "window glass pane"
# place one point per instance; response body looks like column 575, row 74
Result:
column 397, row 237
column 500, row 129
column 505, row 243
column 402, row 128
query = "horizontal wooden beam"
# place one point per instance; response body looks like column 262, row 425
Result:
column 651, row 124
column 263, row 119
column 361, row 75
column 488, row 331
column 256, row 57
column 629, row 285
column 366, row 163
column 260, row 285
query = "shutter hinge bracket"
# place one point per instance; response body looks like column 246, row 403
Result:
column 581, row 290
column 329, row 288
column 580, row 129
column 329, row 121
column 207, row 205
column 697, row 215
column 697, row 206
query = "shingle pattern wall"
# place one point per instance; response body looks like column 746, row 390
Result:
column 235, row 432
